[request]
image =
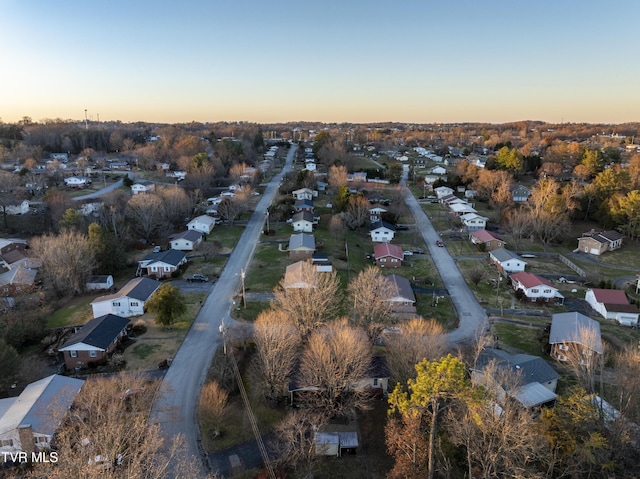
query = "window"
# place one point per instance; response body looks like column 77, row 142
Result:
column 6, row 442
column 115, row 303
column 73, row 354
column 375, row 382
column 535, row 290
column 40, row 439
column 547, row 291
column 134, row 303
column 167, row 269
column 93, row 354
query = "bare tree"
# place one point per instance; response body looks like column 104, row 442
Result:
column 476, row 275
column 176, row 205
column 406, row 439
column 417, row 339
column 357, row 212
column 548, row 226
column 294, row 441
column 10, row 192
column 336, row 228
column 627, row 380
column 67, row 259
column 311, row 306
column 585, row 356
column 336, row 358
column 518, row 224
column 369, row 295
column 277, row 341
column 213, row 408
column 145, row 212
column 337, row 176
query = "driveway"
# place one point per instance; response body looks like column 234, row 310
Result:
column 176, row 403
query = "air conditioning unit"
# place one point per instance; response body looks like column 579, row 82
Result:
column 561, row 357
column 563, row 347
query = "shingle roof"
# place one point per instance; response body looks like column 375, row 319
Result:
column 503, row 254
column 387, row 249
column 529, row 280
column 138, row 288
column 42, row 404
column 610, row 296
column 303, row 216
column 530, row 368
column 171, row 256
column 484, row 236
column 98, row 278
column 381, row 224
column 99, row 332
column 568, row 328
column 302, row 240
column 189, row 235
column 401, row 287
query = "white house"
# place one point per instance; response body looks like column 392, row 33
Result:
column 507, row 261
column 305, row 194
column 186, row 240
column 613, row 304
column 77, row 181
column 520, row 194
column 99, row 282
column 163, row 264
column 29, row 421
column 438, row 170
column 19, row 209
column 375, row 214
column 382, row 232
column 302, row 222
column 534, row 287
column 473, row 221
column 129, row 301
column 142, row 187
column 460, row 209
column 442, row 191
column 204, row 224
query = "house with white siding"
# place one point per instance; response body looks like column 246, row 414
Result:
column 128, row 301
column 535, row 288
column 506, row 261
column 613, row 304
column 185, row 241
column 382, row 232
column 203, row 223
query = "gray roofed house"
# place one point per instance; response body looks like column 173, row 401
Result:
column 34, row 416
column 303, row 205
column 574, row 330
column 94, row 341
column 161, row 265
column 402, row 298
column 506, row 261
column 98, row 282
column 536, row 380
column 128, row 301
column 302, row 245
column 303, row 221
column 186, row 240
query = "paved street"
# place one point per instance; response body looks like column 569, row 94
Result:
column 177, row 399
column 473, row 318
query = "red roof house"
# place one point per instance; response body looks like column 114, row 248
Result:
column 388, row 255
column 534, row 287
column 613, row 304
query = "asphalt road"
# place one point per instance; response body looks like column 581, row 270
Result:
column 473, row 318
column 175, row 406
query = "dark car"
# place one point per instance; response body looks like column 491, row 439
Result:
column 440, row 243
column 417, row 251
column 198, row 278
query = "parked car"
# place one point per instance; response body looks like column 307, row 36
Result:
column 440, row 243
column 198, row 278
column 407, row 253
column 417, row 251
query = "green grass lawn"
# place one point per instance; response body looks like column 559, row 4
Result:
column 524, row 338
column 76, row 313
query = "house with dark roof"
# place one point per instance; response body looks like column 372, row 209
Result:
column 128, row 301
column 402, row 298
column 506, row 261
column 527, row 379
column 382, row 232
column 486, row 238
column 474, row 221
column 388, row 255
column 19, row 279
column 31, row 419
column 94, row 342
column 535, row 288
column 186, row 240
column 303, row 205
column 598, row 243
column 613, row 304
column 520, row 194
column 302, row 246
column 303, row 222
column 572, row 333
column 98, row 282
column 304, row 194
column 162, row 264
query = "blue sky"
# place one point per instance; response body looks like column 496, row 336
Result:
column 350, row 60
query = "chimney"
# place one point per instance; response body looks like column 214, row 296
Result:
column 25, row 433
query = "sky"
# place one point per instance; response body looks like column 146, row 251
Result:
column 357, row 61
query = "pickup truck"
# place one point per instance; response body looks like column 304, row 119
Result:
column 198, row 278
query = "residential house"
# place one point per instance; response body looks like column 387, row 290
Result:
column 328, row 442
column 599, row 243
column 375, row 214
column 382, row 232
column 322, row 185
column 185, row 241
column 520, row 194
column 99, row 282
column 297, row 275
column 142, row 186
column 506, row 261
column 438, row 170
column 161, row 265
column 21, row 208
column 31, row 419
column 452, row 199
column 19, row 279
column 305, row 194
column 357, row 177
column 460, row 209
column 128, row 301
column 535, row 288
column 486, row 238
column 402, row 298
column 571, row 332
column 303, row 222
column 12, row 244
column 431, row 179
column 470, row 194
column 203, row 223
column 388, row 255
column 442, row 191
column 527, row 379
column 613, row 304
column 301, row 245
column 473, row 221
column 94, row 342
column 303, row 205
column 77, row 181
column 322, row 262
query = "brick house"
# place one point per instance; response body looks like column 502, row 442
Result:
column 388, row 255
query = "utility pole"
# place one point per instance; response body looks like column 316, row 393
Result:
column 86, row 124
column 244, row 299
